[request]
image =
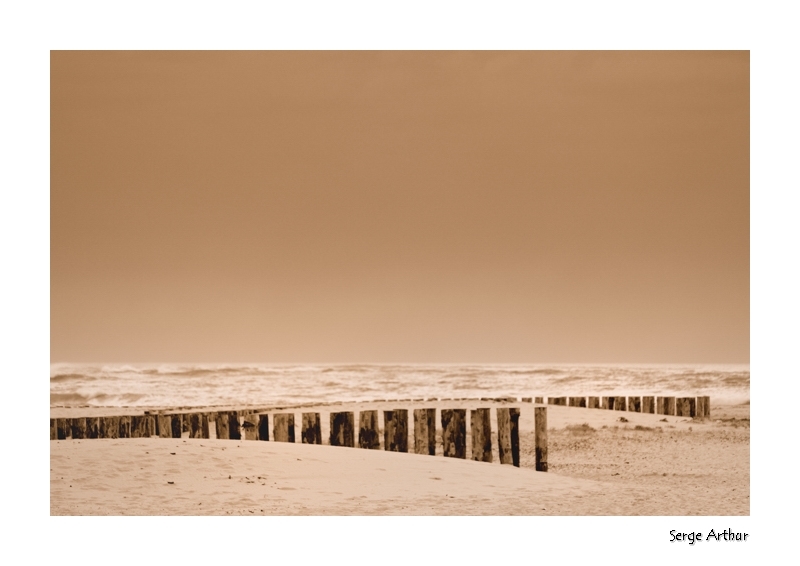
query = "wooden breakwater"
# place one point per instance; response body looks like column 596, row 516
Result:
column 255, row 425
column 692, row 407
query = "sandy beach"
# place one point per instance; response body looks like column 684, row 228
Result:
column 598, row 465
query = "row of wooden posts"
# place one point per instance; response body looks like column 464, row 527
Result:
column 248, row 425
column 692, row 407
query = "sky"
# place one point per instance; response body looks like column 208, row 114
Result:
column 418, row 207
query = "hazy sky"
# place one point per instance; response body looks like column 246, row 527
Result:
column 400, row 206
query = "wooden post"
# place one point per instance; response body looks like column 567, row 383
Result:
column 454, row 433
column 175, row 425
column 53, row 429
column 63, row 429
column 538, row 400
column 577, row 401
column 109, row 427
column 136, row 426
column 395, row 430
column 164, row 425
column 141, row 426
column 540, row 423
column 425, row 431
column 283, row 427
column 648, row 405
column 608, row 402
column 92, row 427
column 78, row 427
column 481, row 429
column 685, row 407
column 635, row 404
column 125, row 426
column 508, row 435
column 198, row 425
column 527, row 399
column 594, row 403
column 698, row 407
column 669, row 406
column 312, row 429
column 707, row 407
column 620, row 404
column 250, row 426
column 221, row 420
column 342, row 433
column 368, row 436
column 263, row 427
column 234, row 430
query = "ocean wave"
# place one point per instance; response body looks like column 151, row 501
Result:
column 62, row 377
column 214, row 384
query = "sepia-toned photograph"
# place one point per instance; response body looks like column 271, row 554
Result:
column 374, row 283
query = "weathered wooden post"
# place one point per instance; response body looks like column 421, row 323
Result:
column 577, row 401
column 481, row 429
column 368, row 436
column 702, row 409
column 635, row 404
column 234, row 430
column 63, row 429
column 137, row 426
column 425, row 431
column 527, row 399
column 53, row 434
column 608, row 402
column 250, row 426
column 508, row 435
column 669, row 406
column 198, row 425
column 164, row 422
column 125, row 426
column 454, row 433
column 221, row 420
column 109, row 427
column 648, row 405
column 78, row 427
column 142, row 426
column 620, row 404
column 176, row 425
column 685, row 407
column 395, row 430
column 538, row 400
column 342, row 433
column 150, row 422
column 92, row 427
column 540, row 435
column 283, row 427
column 312, row 429
column 263, row 427
column 594, row 403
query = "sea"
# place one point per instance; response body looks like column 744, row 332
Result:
column 205, row 385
